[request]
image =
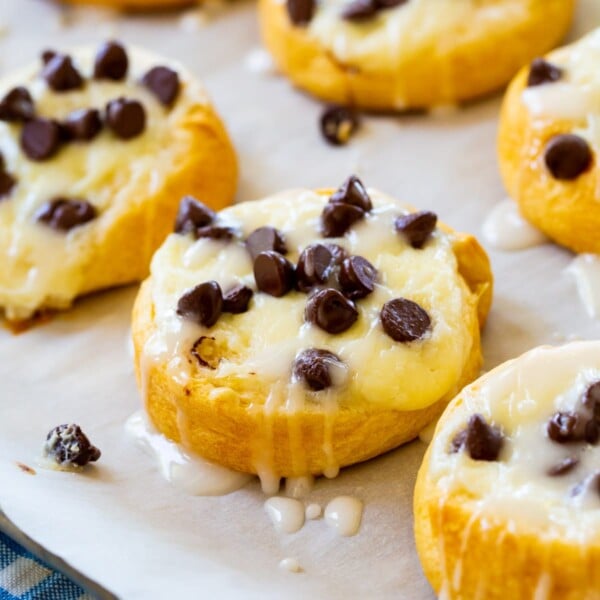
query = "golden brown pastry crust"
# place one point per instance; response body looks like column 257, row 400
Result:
column 566, row 211
column 490, row 557
column 226, row 431
column 136, row 4
column 475, row 68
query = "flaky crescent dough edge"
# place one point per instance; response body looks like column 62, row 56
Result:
column 476, row 68
column 230, row 434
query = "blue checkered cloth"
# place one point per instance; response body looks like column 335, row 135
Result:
column 25, row 577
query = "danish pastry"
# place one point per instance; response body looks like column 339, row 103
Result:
column 96, row 149
column 406, row 54
column 307, row 331
column 548, row 141
column 507, row 501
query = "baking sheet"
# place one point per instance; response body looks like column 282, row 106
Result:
column 122, row 525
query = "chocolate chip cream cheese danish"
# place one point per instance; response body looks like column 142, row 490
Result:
column 549, row 140
column 507, row 502
column 307, row 331
column 96, row 148
column 405, row 54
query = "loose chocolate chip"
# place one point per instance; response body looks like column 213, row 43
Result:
column 64, row 214
column 300, row 11
column 563, row 467
column 202, row 304
column 7, row 183
column 192, row 215
column 591, row 399
column 205, row 352
column 215, row 232
column 567, row 156
column 17, row 105
column 352, row 191
column 265, row 239
column 274, row 274
column 416, row 227
column 542, row 71
column 126, row 118
column 163, row 83
column 566, row 427
column 61, row 75
column 47, row 56
column 313, row 266
column 84, row 124
column 338, row 123
column 236, row 300
column 313, row 366
column 337, row 218
column 111, row 62
column 481, row 440
column 404, row 320
column 360, row 10
column 357, row 277
column 67, row 445
column 40, row 138
column 331, row 311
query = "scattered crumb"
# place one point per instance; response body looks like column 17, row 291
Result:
column 290, row 564
column 25, row 468
column 259, row 61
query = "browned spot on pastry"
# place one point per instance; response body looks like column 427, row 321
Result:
column 206, row 352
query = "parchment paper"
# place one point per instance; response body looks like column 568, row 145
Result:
column 120, row 523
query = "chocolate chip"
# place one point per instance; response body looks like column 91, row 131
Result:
column 274, row 274
column 566, row 427
column 265, row 239
column 7, row 183
column 17, row 105
column 481, row 440
column 236, row 300
column 126, row 118
column 163, row 83
column 592, row 432
column 68, row 446
column 192, row 215
column 205, row 352
column 338, row 254
column 331, row 311
column 352, row 191
column 360, row 10
column 357, row 277
column 202, row 304
column 338, row 123
column 337, row 218
column 385, row 4
column 84, row 124
column 215, row 232
column 47, row 56
column 563, row 467
column 300, row 11
column 313, row 266
column 64, row 214
column 40, row 138
column 591, row 399
column 313, row 366
column 111, row 62
column 404, row 320
column 542, row 71
column 567, row 156
column 61, row 75
column 416, row 227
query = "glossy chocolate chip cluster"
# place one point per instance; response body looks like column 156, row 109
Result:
column 567, row 156
column 41, row 137
column 334, row 280
column 479, row 439
column 68, row 446
column 301, row 12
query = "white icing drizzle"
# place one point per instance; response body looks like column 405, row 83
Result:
column 286, row 514
column 504, row 228
column 585, row 268
column 191, row 474
column 344, row 514
column 259, row 61
column 313, row 511
column 290, row 564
